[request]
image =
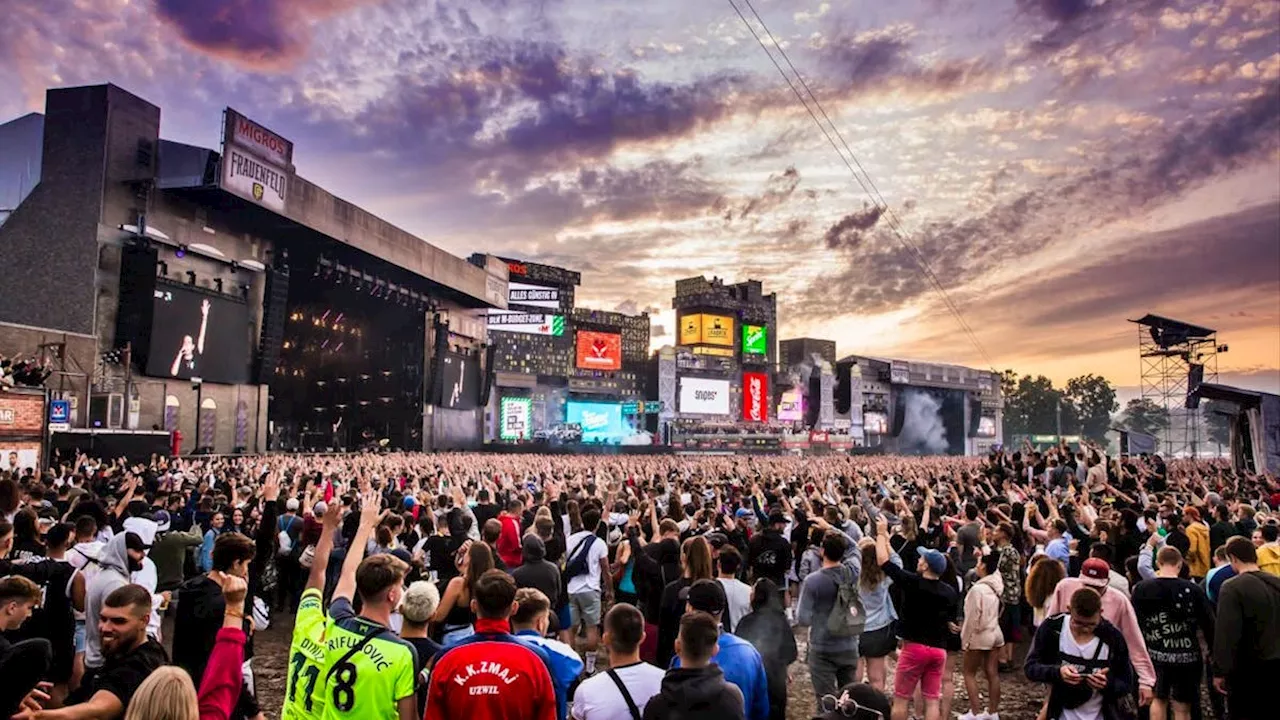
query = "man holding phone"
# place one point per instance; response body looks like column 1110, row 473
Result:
column 1084, row 660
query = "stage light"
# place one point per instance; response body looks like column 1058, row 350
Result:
column 181, row 251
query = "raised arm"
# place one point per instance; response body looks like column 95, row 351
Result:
column 320, row 564
column 370, row 515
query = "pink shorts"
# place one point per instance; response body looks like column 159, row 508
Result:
column 920, row 664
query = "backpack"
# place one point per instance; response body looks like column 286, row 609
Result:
column 847, row 618
column 285, row 539
column 577, row 564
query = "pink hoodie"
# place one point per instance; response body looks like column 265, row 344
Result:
column 1118, row 611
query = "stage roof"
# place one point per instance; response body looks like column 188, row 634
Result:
column 1175, row 326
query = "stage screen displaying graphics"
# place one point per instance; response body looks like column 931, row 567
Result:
column 601, row 422
column 700, row 396
column 516, row 417
column 791, row 407
column 528, row 323
column 755, row 340
column 986, row 427
column 875, row 423
column 195, row 334
column 533, row 295
column 755, row 397
column 459, row 382
column 700, row 329
column 599, row 351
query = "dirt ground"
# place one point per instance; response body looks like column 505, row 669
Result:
column 1020, row 699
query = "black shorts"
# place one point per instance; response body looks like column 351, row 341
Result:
column 877, row 643
column 1180, row 683
column 1011, row 622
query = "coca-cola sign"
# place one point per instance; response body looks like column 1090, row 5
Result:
column 755, row 401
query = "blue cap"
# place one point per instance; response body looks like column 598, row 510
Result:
column 409, row 501
column 936, row 561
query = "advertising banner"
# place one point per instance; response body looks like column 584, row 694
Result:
column 601, row 422
column 701, row 329
column 528, row 323
column 258, row 140
column 245, row 175
column 517, row 419
column 691, row 329
column 717, row 330
column 791, row 406
column 755, row 340
column 755, row 397
column 599, row 351
column 875, row 423
column 899, row 372
column 713, row 351
column 700, row 396
column 533, row 295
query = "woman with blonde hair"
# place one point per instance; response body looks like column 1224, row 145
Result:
column 166, row 694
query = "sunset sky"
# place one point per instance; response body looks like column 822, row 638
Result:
column 1062, row 164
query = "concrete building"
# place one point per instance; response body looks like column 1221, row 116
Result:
column 124, row 236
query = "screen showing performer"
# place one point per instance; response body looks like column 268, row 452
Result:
column 195, row 334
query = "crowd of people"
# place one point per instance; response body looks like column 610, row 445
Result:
column 513, row 587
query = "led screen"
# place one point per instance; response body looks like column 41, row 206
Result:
column 700, row 396
column 755, row 397
column 875, row 423
column 197, row 334
column 601, row 422
column 599, row 351
column 516, row 417
column 986, row 427
column 791, row 408
column 755, row 340
column 459, row 382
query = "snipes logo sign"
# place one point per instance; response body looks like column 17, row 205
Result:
column 755, row 401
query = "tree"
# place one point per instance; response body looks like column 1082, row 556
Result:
column 1093, row 399
column 1216, row 423
column 1142, row 415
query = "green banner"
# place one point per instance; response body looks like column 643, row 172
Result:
column 755, row 340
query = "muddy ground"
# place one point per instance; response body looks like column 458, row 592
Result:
column 1020, row 699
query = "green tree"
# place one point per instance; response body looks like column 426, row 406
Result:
column 1093, row 399
column 1039, row 405
column 1217, row 422
column 1144, row 416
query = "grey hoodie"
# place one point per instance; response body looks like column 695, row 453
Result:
column 114, row 561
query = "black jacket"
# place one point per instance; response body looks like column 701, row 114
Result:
column 1044, row 665
column 536, row 572
column 769, row 632
column 1248, row 627
column 656, row 565
column 695, row 694
column 770, row 556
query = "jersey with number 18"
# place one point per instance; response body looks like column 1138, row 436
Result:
column 370, row 682
column 304, row 693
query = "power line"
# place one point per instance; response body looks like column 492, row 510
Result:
column 868, row 186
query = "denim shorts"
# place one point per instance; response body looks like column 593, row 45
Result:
column 80, row 636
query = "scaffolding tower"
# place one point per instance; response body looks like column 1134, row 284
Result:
column 1175, row 358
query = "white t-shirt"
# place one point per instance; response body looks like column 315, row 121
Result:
column 1075, row 655
column 590, row 582
column 598, row 698
column 738, row 594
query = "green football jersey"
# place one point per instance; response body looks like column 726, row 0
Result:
column 304, row 695
column 369, row 684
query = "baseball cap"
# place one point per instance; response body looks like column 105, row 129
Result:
column 1095, row 572
column 321, row 507
column 142, row 529
column 162, row 520
column 936, row 561
column 706, row 596
column 292, row 505
column 133, row 541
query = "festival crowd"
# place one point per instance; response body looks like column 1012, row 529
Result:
column 526, row 587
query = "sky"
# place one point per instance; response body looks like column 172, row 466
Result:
column 1061, row 165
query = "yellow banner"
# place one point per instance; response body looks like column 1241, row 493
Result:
column 691, row 329
column 717, row 330
column 713, row 351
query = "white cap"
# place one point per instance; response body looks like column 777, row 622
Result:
column 321, row 507
column 292, row 505
column 143, row 528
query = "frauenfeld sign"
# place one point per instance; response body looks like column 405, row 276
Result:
column 599, row 351
column 701, row 396
column 755, row 397
column 256, row 162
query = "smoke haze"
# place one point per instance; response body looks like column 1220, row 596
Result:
column 923, row 431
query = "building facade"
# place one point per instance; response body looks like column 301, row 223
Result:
column 797, row 351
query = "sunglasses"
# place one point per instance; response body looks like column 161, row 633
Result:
column 847, row 706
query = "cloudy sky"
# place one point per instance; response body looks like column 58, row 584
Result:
column 1061, row 164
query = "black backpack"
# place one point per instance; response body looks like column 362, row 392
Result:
column 577, row 564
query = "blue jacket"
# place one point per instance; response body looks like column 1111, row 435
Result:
column 741, row 664
column 562, row 662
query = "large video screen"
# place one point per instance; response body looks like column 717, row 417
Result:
column 875, row 423
column 791, row 406
column 516, row 419
column 195, row 334
column 599, row 351
column 601, row 422
column 459, row 382
column 986, row 427
column 700, row 396
column 755, row 397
